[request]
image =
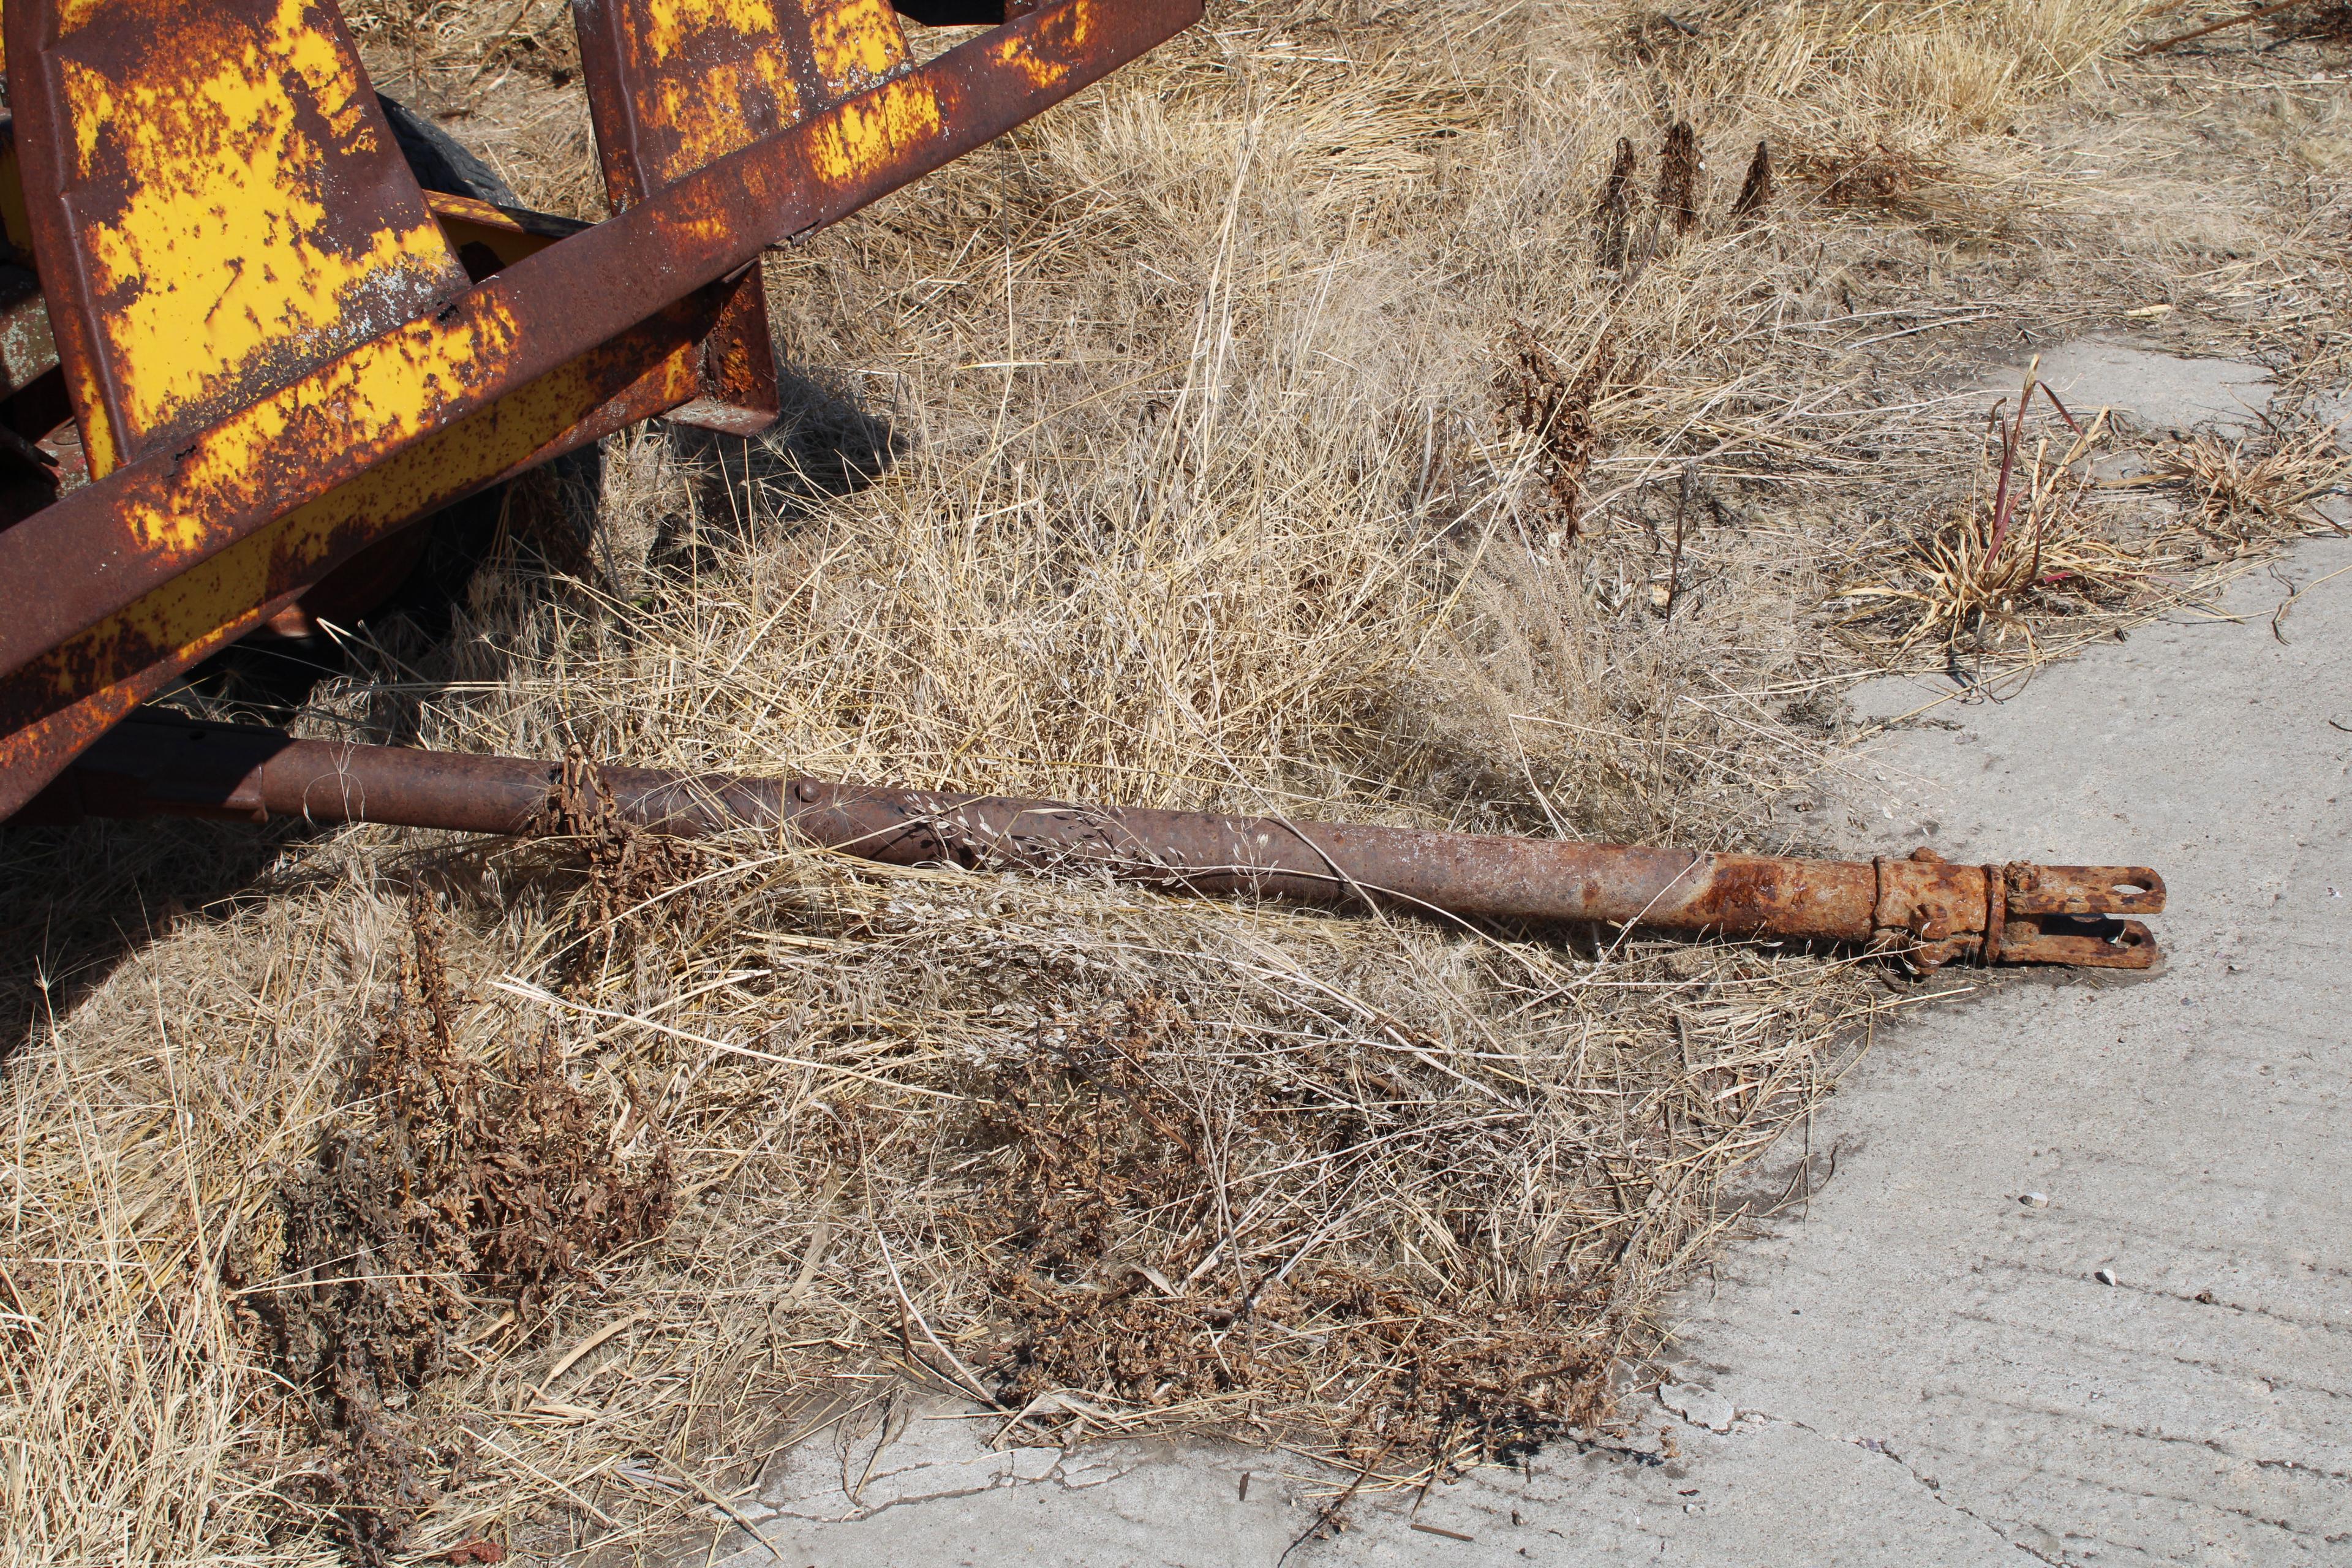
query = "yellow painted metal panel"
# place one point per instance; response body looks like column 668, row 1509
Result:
column 235, row 209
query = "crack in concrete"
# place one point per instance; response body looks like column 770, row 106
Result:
column 1006, row 1478
column 1874, row 1446
column 2295, row 1465
column 1936, row 1491
column 2147, row 1433
column 879, row 1508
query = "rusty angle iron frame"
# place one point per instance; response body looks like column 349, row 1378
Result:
column 369, row 351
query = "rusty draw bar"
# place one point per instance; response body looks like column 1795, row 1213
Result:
column 1930, row 911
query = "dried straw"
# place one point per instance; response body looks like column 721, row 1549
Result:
column 1151, row 455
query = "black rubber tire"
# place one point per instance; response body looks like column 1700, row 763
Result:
column 952, row 13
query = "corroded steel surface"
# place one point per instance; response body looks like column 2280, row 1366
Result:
column 497, row 236
column 28, row 349
column 1929, row 910
column 674, row 87
column 216, row 204
column 179, row 549
column 66, row 695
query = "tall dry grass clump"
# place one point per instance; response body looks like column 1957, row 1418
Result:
column 1306, row 420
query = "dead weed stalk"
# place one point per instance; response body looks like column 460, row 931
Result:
column 2018, row 555
column 443, row 1186
column 1540, row 403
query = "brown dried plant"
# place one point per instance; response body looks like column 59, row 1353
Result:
column 443, row 1183
column 1099, row 1218
column 1873, row 174
column 1679, row 167
column 1755, row 198
column 1990, row 580
column 2247, row 492
column 1612, row 213
column 1536, row 399
column 626, row 867
column 2324, row 24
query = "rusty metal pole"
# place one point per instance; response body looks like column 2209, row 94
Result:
column 1930, row 909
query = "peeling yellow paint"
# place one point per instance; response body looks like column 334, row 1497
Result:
column 682, row 104
column 855, row 43
column 712, row 76
column 669, row 24
column 1043, row 72
column 223, row 261
column 866, row 129
column 217, row 599
column 98, row 447
column 382, row 391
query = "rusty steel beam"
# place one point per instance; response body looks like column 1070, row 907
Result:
column 166, row 558
column 736, row 76
column 65, row 696
column 1921, row 906
column 166, row 511
column 217, row 205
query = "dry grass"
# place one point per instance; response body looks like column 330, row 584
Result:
column 2019, row 555
column 2046, row 554
column 1155, row 454
column 2242, row 495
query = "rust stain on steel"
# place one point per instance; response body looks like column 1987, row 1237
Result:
column 674, row 88
column 113, row 544
column 2057, row 914
column 67, row 696
column 16, row 224
column 678, row 86
column 218, row 206
column 734, row 386
column 508, row 234
column 161, row 763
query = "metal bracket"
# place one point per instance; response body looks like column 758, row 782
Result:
column 2075, row 915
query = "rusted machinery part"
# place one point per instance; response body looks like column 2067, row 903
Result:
column 439, row 160
column 1931, row 912
column 191, row 542
column 747, row 78
column 446, row 168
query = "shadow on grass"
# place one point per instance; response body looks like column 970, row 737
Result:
column 77, row 902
